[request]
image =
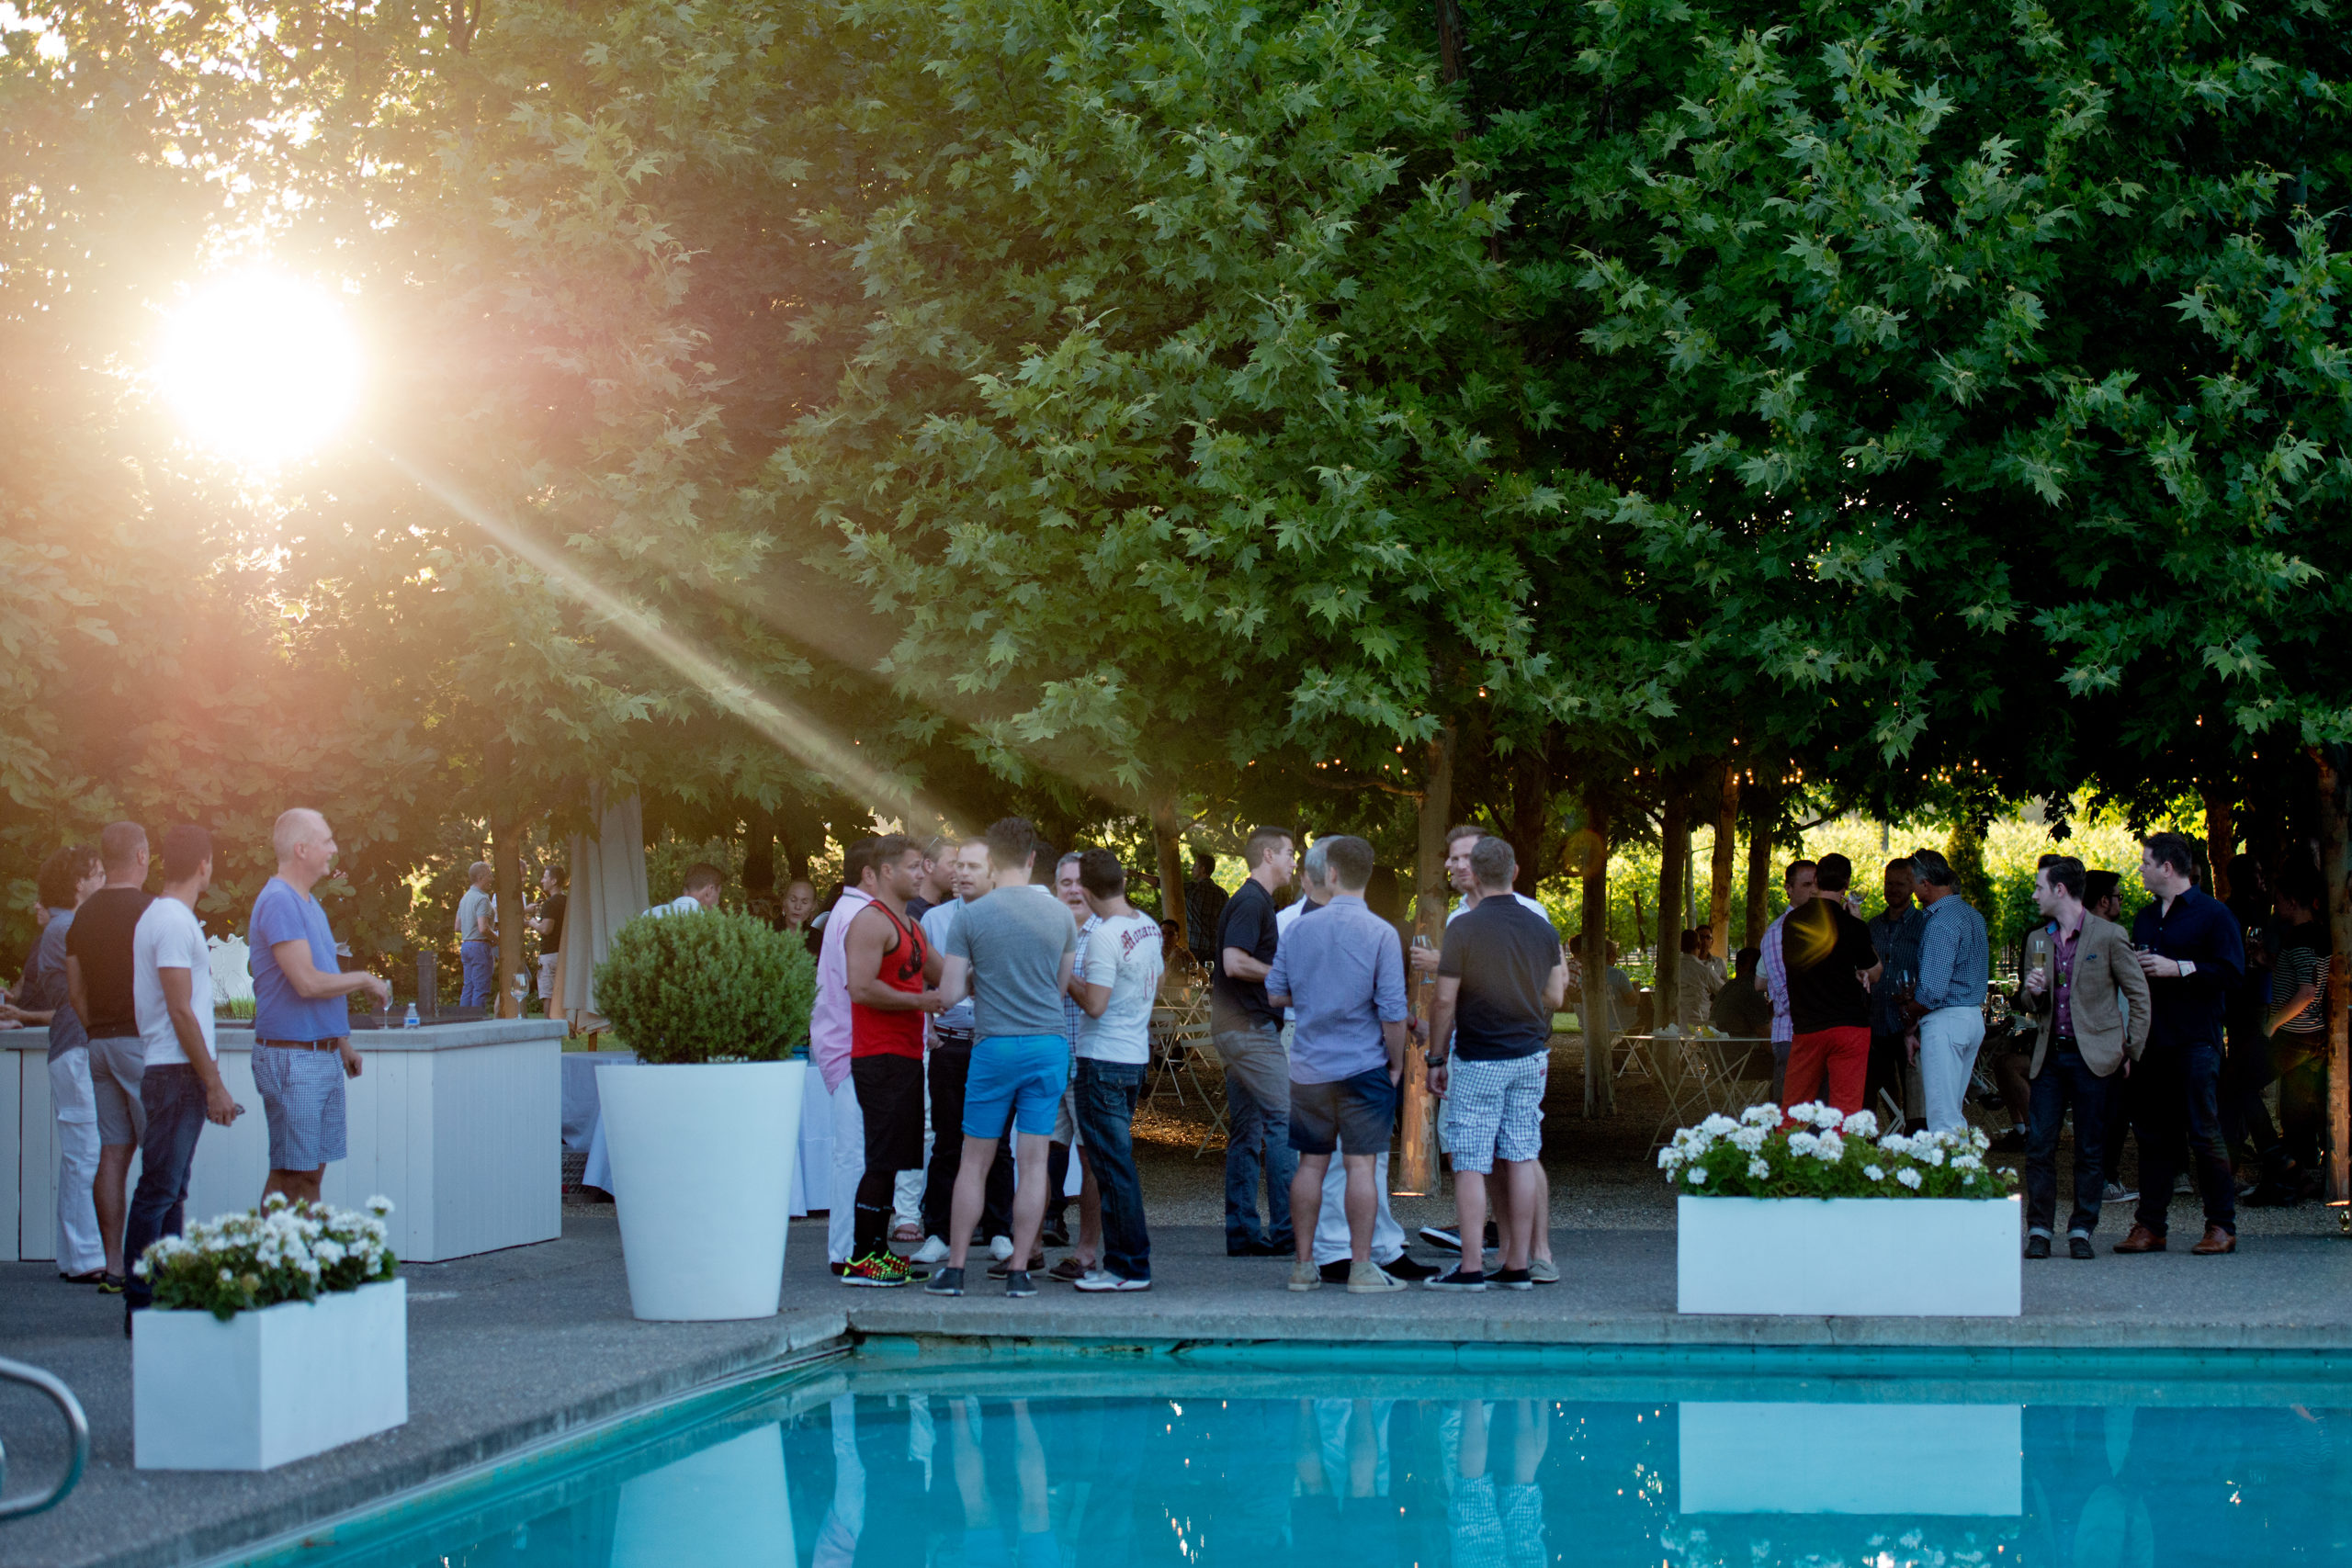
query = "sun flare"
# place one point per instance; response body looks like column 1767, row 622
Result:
column 260, row 366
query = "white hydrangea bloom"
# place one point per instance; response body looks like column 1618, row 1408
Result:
column 1909, row 1177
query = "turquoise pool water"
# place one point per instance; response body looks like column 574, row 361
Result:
column 1051, row 1463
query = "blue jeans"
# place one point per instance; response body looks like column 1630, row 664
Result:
column 173, row 1100
column 481, row 980
column 2065, row 1078
column 1107, row 1092
column 1257, row 1101
column 2180, row 1095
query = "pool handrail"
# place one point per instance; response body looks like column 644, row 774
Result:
column 76, row 1424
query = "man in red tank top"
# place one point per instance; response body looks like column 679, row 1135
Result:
column 891, row 976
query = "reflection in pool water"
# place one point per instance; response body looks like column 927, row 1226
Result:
column 972, row 1472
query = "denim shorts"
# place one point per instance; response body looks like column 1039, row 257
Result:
column 1357, row 1114
column 1019, row 1076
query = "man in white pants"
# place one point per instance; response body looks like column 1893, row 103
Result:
column 1948, row 1002
column 828, row 1045
column 66, row 878
column 1331, row 1251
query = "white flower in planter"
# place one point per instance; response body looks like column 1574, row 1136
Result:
column 1717, row 1125
column 1931, row 1156
column 1896, row 1143
column 1861, row 1124
column 1766, row 1116
column 1748, row 1140
column 1909, row 1177
column 1760, row 1171
column 1874, row 1173
column 1698, row 1176
column 1669, row 1159
column 1802, row 1143
column 1829, row 1148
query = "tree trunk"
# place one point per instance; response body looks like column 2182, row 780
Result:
column 759, row 853
column 2221, row 833
column 1530, row 815
column 1726, row 845
column 2335, row 865
column 506, row 864
column 1599, row 1083
column 1674, row 855
column 1415, row 1173
column 1167, row 841
column 1761, row 808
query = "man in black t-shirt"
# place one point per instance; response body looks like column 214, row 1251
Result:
column 1832, row 965
column 1247, row 1032
column 548, row 923
column 97, row 976
column 1500, row 979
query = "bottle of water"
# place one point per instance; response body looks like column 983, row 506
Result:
column 411, row 1020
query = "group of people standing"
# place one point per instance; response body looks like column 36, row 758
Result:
column 955, row 985
column 122, row 979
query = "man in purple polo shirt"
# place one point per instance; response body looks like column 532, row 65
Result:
column 302, row 1020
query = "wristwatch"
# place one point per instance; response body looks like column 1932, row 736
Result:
column 1434, row 1059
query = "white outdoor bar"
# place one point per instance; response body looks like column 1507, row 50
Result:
column 459, row 1124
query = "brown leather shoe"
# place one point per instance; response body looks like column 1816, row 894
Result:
column 2142, row 1239
column 2217, row 1241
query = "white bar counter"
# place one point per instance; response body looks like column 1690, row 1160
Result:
column 459, row 1124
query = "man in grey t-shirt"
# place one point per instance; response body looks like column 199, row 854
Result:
column 1012, row 950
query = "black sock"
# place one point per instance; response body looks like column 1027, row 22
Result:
column 875, row 1207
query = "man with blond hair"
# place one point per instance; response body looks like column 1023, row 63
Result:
column 301, row 1016
column 477, row 941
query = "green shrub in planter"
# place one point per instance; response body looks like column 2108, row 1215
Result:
column 708, row 987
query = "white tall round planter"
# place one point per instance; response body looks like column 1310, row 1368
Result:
column 702, row 1176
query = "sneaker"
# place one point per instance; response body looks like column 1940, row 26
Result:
column 1367, row 1278
column 1510, row 1280
column 1019, row 1283
column 947, row 1282
column 1306, row 1277
column 1103, row 1279
column 1056, row 1232
column 1002, row 1267
column 95, row 1277
column 1000, row 1247
column 110, row 1284
column 879, row 1269
column 2117, row 1193
column 1336, row 1273
column 932, row 1250
column 1451, row 1280
column 1410, row 1269
column 2183, row 1187
column 1444, row 1236
column 2079, row 1245
column 1069, row 1271
column 1542, row 1271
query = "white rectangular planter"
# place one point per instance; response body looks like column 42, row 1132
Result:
column 269, row 1387
column 1964, row 1460
column 1848, row 1257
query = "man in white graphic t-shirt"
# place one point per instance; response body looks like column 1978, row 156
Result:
column 1115, row 991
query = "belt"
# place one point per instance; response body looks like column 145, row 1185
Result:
column 300, row 1044
column 950, row 1036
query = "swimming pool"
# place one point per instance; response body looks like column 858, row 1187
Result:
column 1045, row 1460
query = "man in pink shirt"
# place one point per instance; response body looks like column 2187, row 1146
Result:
column 829, row 1046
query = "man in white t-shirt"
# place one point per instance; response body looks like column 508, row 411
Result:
column 171, row 984
column 1459, row 843
column 1115, row 991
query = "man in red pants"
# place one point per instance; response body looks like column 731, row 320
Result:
column 1832, row 964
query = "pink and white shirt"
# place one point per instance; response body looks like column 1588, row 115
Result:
column 828, row 1020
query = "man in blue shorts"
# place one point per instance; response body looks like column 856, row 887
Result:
column 1012, row 950
column 302, row 1018
column 1344, row 975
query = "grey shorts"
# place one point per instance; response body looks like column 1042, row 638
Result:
column 116, row 1066
column 1495, row 1110
column 302, row 1096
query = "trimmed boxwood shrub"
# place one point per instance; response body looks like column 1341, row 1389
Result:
column 708, row 987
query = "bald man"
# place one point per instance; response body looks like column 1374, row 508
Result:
column 302, row 1018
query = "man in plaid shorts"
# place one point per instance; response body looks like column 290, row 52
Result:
column 1500, row 979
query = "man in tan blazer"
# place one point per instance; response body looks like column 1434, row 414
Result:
column 2092, row 1000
